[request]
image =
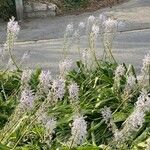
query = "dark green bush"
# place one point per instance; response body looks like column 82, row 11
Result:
column 7, row 9
column 74, row 4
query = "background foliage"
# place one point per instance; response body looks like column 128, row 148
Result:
column 7, row 9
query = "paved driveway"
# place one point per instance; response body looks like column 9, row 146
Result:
column 43, row 37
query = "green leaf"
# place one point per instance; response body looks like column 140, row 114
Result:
column 4, row 147
column 120, row 116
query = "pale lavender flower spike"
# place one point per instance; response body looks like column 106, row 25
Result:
column 106, row 114
column 78, row 131
column 120, row 71
column 65, row 67
column 26, row 76
column 146, row 63
column 95, row 29
column 27, row 99
column 13, row 26
column 136, row 120
column 110, row 25
column 58, row 88
column 45, row 80
column 131, row 81
column 50, row 126
column 91, row 19
column 73, row 91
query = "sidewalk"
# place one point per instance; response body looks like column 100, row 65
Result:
column 135, row 13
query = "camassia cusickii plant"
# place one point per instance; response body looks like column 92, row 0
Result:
column 99, row 104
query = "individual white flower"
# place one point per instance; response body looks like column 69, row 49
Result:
column 45, row 81
column 13, row 26
column 81, row 25
column 120, row 71
column 25, row 78
column 78, row 131
column 110, row 25
column 27, row 99
column 69, row 29
column 65, row 66
column 58, row 88
column 73, row 91
column 106, row 114
column 95, row 29
column 91, row 19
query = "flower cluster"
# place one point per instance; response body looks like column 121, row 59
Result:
column 106, row 114
column 95, row 30
column 73, row 91
column 27, row 99
column 58, row 88
column 26, row 76
column 49, row 124
column 65, row 66
column 78, row 131
column 130, row 83
column 45, row 81
column 13, row 26
column 146, row 63
column 120, row 71
column 135, row 121
column 90, row 23
column 110, row 25
column 144, row 77
column 86, row 57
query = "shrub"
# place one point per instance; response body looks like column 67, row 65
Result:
column 75, row 4
column 7, row 9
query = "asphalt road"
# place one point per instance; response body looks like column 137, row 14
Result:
column 129, row 47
